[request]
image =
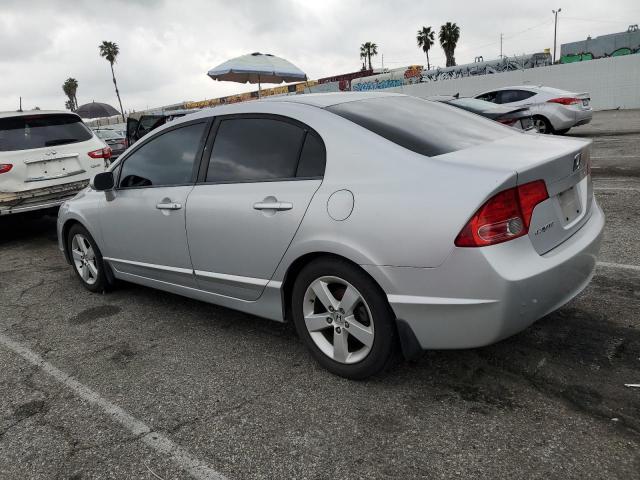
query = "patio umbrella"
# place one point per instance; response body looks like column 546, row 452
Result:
column 96, row 110
column 257, row 68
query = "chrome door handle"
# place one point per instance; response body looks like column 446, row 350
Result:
column 278, row 206
column 169, row 206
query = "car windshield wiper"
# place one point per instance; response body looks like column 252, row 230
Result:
column 59, row 141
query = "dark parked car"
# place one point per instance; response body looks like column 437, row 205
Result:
column 517, row 117
column 138, row 125
column 114, row 139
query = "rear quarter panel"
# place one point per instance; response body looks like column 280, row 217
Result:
column 408, row 208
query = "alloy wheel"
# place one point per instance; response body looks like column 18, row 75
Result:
column 338, row 319
column 540, row 125
column 84, row 259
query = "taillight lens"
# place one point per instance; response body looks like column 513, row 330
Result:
column 508, row 121
column 503, row 217
column 565, row 100
column 101, row 153
column 5, row 167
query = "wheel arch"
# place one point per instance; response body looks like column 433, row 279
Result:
column 66, row 227
column 299, row 263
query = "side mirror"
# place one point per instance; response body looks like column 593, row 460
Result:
column 103, row 181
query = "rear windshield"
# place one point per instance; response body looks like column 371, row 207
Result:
column 428, row 128
column 107, row 134
column 37, row 131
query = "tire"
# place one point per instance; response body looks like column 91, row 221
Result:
column 542, row 125
column 356, row 342
column 86, row 259
column 562, row 131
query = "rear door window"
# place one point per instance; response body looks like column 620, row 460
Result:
column 312, row 157
column 428, row 128
column 510, row 96
column 168, row 159
column 39, row 131
column 254, row 150
column 488, row 97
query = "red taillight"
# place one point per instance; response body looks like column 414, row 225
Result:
column 5, row 167
column 565, row 100
column 503, row 217
column 508, row 121
column 101, row 153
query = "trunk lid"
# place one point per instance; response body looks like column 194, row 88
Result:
column 562, row 163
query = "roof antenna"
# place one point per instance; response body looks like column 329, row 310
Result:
column 20, row 108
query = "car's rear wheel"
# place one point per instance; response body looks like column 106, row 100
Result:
column 86, row 258
column 542, row 125
column 343, row 318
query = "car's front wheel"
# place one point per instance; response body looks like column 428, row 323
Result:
column 344, row 318
column 86, row 258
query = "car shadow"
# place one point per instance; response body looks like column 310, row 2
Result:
column 27, row 226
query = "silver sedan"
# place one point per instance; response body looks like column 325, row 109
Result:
column 371, row 220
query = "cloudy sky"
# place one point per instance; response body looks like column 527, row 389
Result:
column 167, row 46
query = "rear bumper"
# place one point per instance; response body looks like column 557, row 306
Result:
column 482, row 295
column 39, row 198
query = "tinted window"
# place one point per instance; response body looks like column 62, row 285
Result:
column 428, row 128
column 164, row 160
column 38, row 131
column 509, row 96
column 312, row 158
column 254, row 149
column 488, row 97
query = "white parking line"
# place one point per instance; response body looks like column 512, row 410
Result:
column 624, row 266
column 627, row 189
column 160, row 443
column 600, row 157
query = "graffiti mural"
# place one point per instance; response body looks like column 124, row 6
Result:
column 612, row 45
column 489, row 67
column 388, row 79
column 342, row 82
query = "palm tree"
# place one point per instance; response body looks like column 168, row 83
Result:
column 110, row 51
column 368, row 50
column 70, row 87
column 449, row 36
column 426, row 39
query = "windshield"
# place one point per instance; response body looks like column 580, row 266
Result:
column 428, row 128
column 38, row 131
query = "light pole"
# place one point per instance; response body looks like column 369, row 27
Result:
column 555, row 31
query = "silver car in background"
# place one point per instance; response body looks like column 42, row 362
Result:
column 368, row 219
column 554, row 110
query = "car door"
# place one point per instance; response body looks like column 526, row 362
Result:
column 253, row 192
column 143, row 218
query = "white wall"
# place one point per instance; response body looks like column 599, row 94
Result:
column 612, row 82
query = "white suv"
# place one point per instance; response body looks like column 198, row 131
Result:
column 46, row 157
column 553, row 110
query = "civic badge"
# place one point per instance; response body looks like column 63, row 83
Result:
column 577, row 161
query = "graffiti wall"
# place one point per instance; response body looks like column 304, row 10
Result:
column 505, row 64
column 612, row 45
column 389, row 79
column 342, row 83
column 303, row 87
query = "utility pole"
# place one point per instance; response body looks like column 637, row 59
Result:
column 555, row 32
column 501, row 35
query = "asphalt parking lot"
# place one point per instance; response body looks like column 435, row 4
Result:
column 143, row 384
